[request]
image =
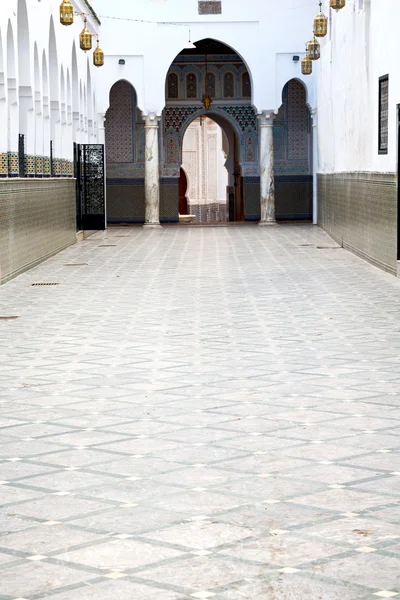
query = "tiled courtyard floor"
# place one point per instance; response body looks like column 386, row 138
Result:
column 201, row 413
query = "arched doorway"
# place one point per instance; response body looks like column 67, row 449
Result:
column 205, row 152
column 216, row 69
column 293, row 155
column 124, row 135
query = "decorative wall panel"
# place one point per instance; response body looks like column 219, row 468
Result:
column 173, row 86
column 229, row 85
column 297, row 112
column 169, row 200
column 251, row 198
column 293, row 197
column 125, row 152
column 211, row 85
column 246, row 85
column 359, row 210
column 37, row 220
column 210, row 7
column 120, row 123
column 244, row 115
column 292, row 136
column 125, row 200
column 230, row 80
column 191, row 86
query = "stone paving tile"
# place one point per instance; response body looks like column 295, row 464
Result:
column 291, row 587
column 120, row 589
column 201, row 413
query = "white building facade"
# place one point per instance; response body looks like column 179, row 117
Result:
column 140, row 104
column 358, row 117
column 47, row 102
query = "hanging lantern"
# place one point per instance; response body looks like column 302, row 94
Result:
column 306, row 66
column 85, row 39
column 66, row 13
column 320, row 23
column 313, row 50
column 207, row 101
column 338, row 4
column 98, row 56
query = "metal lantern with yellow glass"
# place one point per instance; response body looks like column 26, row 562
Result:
column 85, row 39
column 306, row 66
column 320, row 23
column 314, row 49
column 207, row 100
column 98, row 56
column 66, row 13
column 338, row 4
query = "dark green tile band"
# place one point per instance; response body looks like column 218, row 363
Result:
column 37, row 220
column 359, row 210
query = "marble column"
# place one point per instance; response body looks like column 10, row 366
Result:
column 152, row 172
column 267, row 181
column 314, row 117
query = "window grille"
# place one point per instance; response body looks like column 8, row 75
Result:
column 383, row 134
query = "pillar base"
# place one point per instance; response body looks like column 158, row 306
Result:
column 265, row 223
column 152, row 225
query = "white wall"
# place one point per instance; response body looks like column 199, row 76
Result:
column 265, row 33
column 361, row 48
column 39, row 86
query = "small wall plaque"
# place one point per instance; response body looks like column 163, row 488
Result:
column 210, row 7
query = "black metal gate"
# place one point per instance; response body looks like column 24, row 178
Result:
column 90, row 188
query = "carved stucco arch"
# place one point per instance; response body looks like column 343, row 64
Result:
column 174, row 53
column 173, row 135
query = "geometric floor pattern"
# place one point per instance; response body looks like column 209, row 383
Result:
column 200, row 413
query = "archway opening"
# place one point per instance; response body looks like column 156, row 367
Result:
column 13, row 113
column 46, row 117
column 211, row 68
column 38, row 114
column 205, row 152
column 54, row 100
column 26, row 108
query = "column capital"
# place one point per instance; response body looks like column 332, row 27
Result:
column 151, row 120
column 266, row 118
column 314, row 113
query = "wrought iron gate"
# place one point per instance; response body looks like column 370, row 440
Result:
column 90, row 188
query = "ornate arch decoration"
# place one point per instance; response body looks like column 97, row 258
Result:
column 229, row 85
column 245, row 87
column 211, row 83
column 123, row 115
column 177, row 120
column 172, row 87
column 191, row 86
